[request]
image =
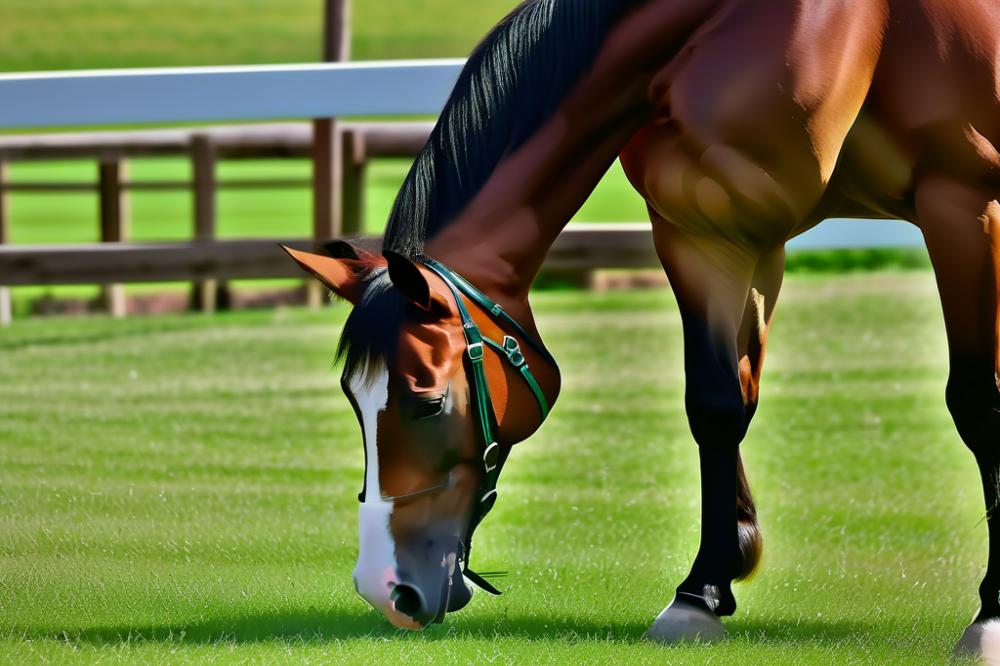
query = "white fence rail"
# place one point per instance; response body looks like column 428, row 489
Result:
column 199, row 94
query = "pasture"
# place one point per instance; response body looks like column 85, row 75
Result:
column 183, row 489
column 37, row 35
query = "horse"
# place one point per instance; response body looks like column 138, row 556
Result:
column 742, row 124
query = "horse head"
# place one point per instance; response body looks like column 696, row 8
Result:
column 440, row 401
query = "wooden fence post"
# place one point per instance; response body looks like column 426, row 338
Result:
column 336, row 30
column 328, row 158
column 114, row 208
column 6, row 307
column 353, row 197
column 327, row 192
column 204, row 293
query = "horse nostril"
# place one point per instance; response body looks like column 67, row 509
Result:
column 408, row 600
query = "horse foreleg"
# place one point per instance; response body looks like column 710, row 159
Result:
column 726, row 297
column 962, row 229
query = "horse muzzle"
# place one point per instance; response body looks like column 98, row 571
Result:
column 413, row 583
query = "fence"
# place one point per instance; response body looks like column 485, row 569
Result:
column 323, row 91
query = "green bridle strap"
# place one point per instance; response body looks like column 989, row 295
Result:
column 509, row 349
column 484, row 301
column 475, row 345
column 512, row 351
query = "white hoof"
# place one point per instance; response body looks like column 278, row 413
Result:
column 981, row 639
column 682, row 621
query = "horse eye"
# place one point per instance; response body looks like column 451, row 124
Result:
column 427, row 408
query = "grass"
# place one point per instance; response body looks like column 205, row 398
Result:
column 182, row 489
column 84, row 34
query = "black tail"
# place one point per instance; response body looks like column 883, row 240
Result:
column 751, row 540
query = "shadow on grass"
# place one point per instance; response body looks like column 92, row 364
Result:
column 320, row 626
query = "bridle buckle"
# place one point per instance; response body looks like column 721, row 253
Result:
column 513, row 351
column 475, row 351
column 491, row 457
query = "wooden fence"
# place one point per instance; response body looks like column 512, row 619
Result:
column 339, row 152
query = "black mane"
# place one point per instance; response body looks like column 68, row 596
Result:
column 511, row 84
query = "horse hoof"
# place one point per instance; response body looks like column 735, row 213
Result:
column 981, row 639
column 684, row 621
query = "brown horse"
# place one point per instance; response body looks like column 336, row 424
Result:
column 742, row 123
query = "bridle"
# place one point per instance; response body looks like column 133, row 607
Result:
column 475, row 348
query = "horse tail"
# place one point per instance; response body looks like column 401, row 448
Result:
column 748, row 529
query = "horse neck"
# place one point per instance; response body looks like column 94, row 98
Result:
column 501, row 237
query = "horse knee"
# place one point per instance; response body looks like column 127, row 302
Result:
column 973, row 404
column 717, row 418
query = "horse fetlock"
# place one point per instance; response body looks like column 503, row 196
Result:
column 751, row 547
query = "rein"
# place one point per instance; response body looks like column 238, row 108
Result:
column 475, row 347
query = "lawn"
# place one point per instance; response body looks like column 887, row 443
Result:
column 180, row 489
column 64, row 34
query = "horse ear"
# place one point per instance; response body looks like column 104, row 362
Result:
column 342, row 275
column 409, row 279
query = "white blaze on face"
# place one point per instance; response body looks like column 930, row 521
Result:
column 375, row 572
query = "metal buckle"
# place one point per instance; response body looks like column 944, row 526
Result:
column 475, row 351
column 491, row 457
column 496, row 309
column 513, row 351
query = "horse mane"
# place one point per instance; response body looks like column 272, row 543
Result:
column 511, row 84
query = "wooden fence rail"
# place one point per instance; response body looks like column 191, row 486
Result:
column 341, row 200
column 580, row 246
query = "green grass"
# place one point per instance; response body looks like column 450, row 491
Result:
column 84, row 34
column 182, row 489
